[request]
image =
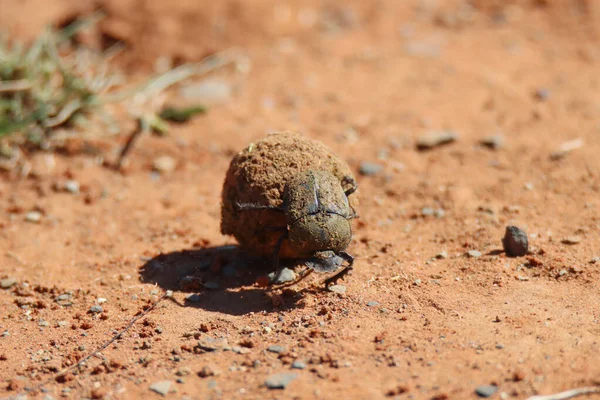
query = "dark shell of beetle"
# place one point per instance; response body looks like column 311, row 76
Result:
column 259, row 174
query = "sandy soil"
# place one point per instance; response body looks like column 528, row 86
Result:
column 367, row 79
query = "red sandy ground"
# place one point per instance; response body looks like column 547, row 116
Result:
column 367, row 78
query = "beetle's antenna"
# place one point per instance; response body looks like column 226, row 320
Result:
column 254, row 206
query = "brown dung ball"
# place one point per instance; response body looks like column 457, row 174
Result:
column 259, row 175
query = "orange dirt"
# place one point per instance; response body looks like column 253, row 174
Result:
column 367, row 78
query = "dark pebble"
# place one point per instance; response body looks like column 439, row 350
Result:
column 515, row 242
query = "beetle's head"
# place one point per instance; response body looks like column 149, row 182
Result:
column 323, row 230
column 325, row 261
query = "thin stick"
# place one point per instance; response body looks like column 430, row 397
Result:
column 168, row 293
column 140, row 128
column 20, row 85
column 568, row 394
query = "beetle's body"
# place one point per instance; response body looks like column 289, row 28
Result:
column 317, row 213
column 286, row 196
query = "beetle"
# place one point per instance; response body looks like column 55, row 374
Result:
column 317, row 214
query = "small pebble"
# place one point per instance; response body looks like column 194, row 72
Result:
column 337, row 288
column 441, row 255
column 72, row 186
column 372, row 304
column 276, row 349
column 566, row 148
column 183, row 371
column 211, row 285
column 435, row 139
column 298, row 365
column 43, row 323
column 95, row 309
column 515, row 242
column 164, row 164
column 283, row 276
column 595, row 260
column 474, row 253
column 541, row 94
column 33, row 216
column 101, row 300
column 369, row 168
column 486, row 390
column 7, row 283
column 161, row 387
column 280, row 380
column 571, row 240
column 493, row 142
column 427, row 211
column 499, row 346
column 193, row 298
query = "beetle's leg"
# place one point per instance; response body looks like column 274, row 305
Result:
column 276, row 254
column 344, row 270
column 349, row 180
column 254, row 206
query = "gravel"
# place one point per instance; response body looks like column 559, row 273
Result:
column 280, row 380
column 283, row 276
column 161, row 387
column 515, row 242
column 369, row 168
column 486, row 390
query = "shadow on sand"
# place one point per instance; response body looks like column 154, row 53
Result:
column 222, row 278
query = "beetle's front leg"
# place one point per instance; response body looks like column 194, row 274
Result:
column 349, row 180
column 345, row 270
column 255, row 206
column 276, row 255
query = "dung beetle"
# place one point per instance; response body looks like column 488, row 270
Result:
column 317, row 214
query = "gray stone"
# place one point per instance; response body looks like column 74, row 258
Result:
column 474, row 253
column 276, row 349
column 337, row 288
column 7, row 283
column 95, row 309
column 211, row 285
column 571, row 240
column 298, row 365
column 436, row 139
column 229, row 270
column 280, row 380
column 486, row 390
column 372, row 304
column 369, row 168
column 515, row 242
column 161, row 387
column 283, row 276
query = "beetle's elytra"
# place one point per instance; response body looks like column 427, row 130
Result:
column 287, row 197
